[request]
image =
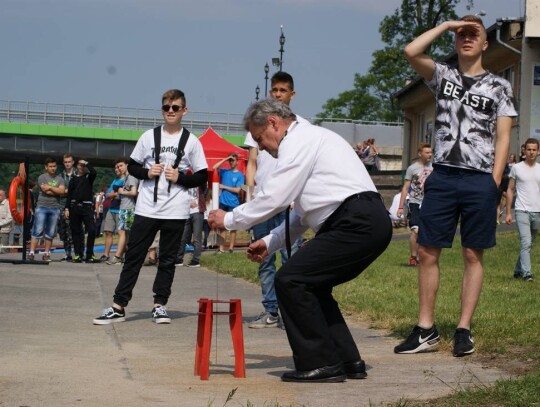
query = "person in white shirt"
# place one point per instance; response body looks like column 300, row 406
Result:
column 525, row 179
column 162, row 205
column 6, row 221
column 261, row 165
column 413, row 187
column 341, row 204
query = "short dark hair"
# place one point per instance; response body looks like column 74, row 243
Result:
column 473, row 19
column 532, row 141
column 49, row 160
column 281, row 76
column 173, row 94
column 121, row 160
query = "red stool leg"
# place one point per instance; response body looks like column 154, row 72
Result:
column 203, row 355
column 200, row 334
column 235, row 322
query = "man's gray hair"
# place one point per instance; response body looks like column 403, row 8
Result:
column 258, row 112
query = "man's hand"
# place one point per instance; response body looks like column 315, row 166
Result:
column 171, row 174
column 66, row 213
column 156, row 170
column 454, row 26
column 509, row 219
column 257, row 251
column 216, row 218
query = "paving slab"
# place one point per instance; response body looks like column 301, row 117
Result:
column 52, row 355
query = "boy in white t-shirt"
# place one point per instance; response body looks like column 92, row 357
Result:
column 525, row 178
column 161, row 206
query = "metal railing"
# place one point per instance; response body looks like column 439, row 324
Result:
column 112, row 117
column 131, row 118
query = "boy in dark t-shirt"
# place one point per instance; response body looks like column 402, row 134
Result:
column 474, row 111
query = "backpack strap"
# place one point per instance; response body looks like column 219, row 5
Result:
column 157, row 149
column 180, row 151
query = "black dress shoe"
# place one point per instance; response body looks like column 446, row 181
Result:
column 355, row 370
column 326, row 374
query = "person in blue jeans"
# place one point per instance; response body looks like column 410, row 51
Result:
column 231, row 181
column 51, row 190
column 259, row 167
column 525, row 178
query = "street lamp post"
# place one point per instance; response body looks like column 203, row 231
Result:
column 266, row 70
column 281, row 50
column 257, row 90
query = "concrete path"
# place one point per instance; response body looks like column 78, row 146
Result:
column 52, row 355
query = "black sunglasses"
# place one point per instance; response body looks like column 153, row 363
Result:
column 175, row 108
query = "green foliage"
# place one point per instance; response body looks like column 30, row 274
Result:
column 372, row 95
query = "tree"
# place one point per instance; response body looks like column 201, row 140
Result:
column 372, row 95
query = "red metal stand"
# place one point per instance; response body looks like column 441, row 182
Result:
column 204, row 335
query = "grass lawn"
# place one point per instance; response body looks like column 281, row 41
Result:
column 506, row 324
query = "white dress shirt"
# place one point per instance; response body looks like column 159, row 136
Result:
column 318, row 170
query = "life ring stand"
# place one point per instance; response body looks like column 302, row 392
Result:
column 18, row 183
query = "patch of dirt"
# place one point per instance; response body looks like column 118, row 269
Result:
column 517, row 362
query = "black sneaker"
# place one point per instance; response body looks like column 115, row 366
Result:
column 109, row 316
column 179, row 262
column 67, row 258
column 159, row 315
column 103, row 258
column 193, row 264
column 77, row 259
column 463, row 343
column 420, row 340
column 528, row 278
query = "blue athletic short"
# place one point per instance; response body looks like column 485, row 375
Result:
column 414, row 215
column 451, row 194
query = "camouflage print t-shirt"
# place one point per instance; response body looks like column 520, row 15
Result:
column 466, row 116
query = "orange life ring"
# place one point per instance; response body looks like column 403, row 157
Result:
column 17, row 183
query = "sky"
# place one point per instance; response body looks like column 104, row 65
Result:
column 126, row 53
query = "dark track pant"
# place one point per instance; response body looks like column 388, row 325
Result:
column 141, row 237
column 79, row 215
column 348, row 242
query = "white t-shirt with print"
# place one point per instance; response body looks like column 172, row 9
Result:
column 173, row 204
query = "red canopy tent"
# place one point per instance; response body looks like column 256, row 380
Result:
column 217, row 148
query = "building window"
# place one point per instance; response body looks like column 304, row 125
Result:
column 508, row 74
column 429, row 132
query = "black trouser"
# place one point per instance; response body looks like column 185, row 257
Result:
column 80, row 214
column 141, row 237
column 348, row 242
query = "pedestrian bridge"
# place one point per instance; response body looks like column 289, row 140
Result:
column 102, row 134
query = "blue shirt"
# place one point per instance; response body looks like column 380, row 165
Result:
column 234, row 179
column 115, row 204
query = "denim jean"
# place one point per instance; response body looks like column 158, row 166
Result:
column 45, row 221
column 528, row 224
column 267, row 269
column 193, row 226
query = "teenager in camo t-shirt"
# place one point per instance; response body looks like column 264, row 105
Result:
column 474, row 111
